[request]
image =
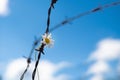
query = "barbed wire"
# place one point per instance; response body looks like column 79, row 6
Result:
column 49, row 12
column 69, row 20
column 64, row 22
column 36, row 43
column 41, row 49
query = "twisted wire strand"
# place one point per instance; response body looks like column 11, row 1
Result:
column 38, row 59
column 49, row 13
column 35, row 56
column 41, row 49
column 21, row 78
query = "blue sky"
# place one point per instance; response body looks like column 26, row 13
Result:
column 74, row 42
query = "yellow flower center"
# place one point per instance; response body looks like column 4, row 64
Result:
column 47, row 40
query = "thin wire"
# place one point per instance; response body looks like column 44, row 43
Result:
column 41, row 49
column 37, row 68
column 66, row 21
column 38, row 58
column 49, row 13
column 21, row 78
column 36, row 64
column 29, row 59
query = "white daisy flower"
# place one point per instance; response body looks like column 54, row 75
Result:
column 47, row 40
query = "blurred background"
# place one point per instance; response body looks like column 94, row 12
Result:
column 88, row 48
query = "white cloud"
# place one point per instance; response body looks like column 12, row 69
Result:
column 4, row 9
column 99, row 67
column 47, row 70
column 97, row 77
column 107, row 49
